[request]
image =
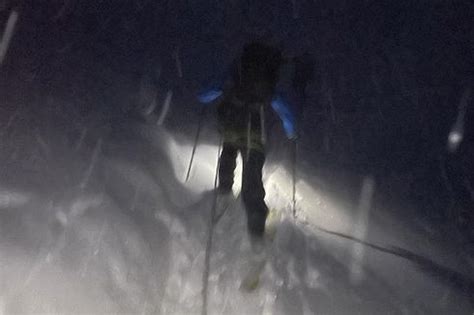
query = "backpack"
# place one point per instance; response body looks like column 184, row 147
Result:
column 257, row 73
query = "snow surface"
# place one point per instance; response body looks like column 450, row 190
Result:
column 103, row 222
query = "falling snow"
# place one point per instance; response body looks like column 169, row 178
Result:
column 109, row 162
column 7, row 35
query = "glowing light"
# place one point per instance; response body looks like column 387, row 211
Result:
column 456, row 136
column 454, row 139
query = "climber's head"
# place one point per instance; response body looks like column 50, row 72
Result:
column 257, row 53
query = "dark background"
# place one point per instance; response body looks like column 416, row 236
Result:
column 389, row 76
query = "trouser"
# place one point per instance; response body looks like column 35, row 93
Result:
column 253, row 192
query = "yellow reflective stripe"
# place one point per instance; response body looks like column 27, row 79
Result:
column 239, row 139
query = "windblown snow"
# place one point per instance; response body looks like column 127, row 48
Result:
column 103, row 222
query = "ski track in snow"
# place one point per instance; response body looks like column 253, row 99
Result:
column 133, row 239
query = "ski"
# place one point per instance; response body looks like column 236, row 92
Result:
column 259, row 256
column 223, row 203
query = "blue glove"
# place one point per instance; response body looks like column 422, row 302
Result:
column 282, row 108
column 290, row 131
column 209, row 95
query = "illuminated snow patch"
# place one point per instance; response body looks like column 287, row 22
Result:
column 312, row 205
column 204, row 166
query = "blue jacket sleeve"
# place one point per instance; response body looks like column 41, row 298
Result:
column 209, row 95
column 281, row 106
column 216, row 88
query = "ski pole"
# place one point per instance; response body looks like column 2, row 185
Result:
column 207, row 259
column 293, row 170
column 201, row 116
column 249, row 131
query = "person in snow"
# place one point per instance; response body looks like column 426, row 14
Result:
column 241, row 119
